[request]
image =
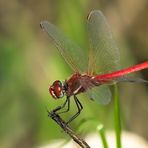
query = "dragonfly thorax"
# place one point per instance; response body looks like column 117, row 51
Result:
column 57, row 89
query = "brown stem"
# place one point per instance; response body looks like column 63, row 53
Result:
column 67, row 129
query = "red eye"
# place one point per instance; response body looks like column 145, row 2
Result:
column 56, row 90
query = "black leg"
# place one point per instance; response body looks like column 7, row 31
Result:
column 79, row 106
column 68, row 106
column 61, row 107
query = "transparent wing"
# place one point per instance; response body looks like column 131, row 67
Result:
column 73, row 54
column 104, row 54
column 101, row 94
column 130, row 79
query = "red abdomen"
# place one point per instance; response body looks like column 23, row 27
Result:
column 122, row 72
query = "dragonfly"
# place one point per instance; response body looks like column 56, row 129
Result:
column 94, row 69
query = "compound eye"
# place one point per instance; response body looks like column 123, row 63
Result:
column 56, row 90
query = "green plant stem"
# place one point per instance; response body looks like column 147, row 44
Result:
column 117, row 121
column 101, row 131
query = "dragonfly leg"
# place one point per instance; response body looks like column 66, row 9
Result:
column 79, row 106
column 62, row 106
column 68, row 106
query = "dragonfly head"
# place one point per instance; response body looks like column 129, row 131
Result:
column 57, row 89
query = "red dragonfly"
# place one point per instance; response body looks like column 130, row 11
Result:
column 94, row 76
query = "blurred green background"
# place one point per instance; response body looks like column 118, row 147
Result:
column 29, row 63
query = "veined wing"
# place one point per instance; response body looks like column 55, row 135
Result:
column 130, row 79
column 101, row 94
column 104, row 54
column 71, row 52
